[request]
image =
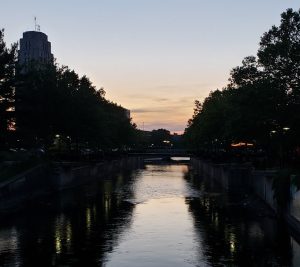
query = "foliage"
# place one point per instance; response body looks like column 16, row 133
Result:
column 7, row 70
column 263, row 94
column 53, row 101
column 40, row 102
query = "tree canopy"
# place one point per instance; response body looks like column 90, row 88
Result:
column 40, row 102
column 8, row 59
column 262, row 96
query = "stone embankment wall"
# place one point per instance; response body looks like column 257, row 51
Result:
column 239, row 178
column 261, row 183
column 232, row 177
column 243, row 178
column 47, row 179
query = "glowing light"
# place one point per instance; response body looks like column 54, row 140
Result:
column 232, row 242
column 58, row 244
column 69, row 234
column 242, row 144
column 88, row 218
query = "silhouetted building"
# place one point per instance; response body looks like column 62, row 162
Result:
column 34, row 46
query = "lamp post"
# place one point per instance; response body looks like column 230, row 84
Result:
column 281, row 133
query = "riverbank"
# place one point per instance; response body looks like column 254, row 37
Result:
column 48, row 178
column 271, row 193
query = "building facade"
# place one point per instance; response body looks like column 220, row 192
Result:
column 34, row 46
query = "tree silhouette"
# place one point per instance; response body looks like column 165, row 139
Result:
column 7, row 83
column 262, row 97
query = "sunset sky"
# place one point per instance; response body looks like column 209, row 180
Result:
column 154, row 57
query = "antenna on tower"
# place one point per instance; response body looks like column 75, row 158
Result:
column 36, row 26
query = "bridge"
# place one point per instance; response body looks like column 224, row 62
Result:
column 160, row 154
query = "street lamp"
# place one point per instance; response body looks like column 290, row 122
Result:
column 282, row 139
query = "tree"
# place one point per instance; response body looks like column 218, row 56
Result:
column 279, row 56
column 279, row 51
column 7, row 83
column 263, row 95
column 54, row 101
column 247, row 74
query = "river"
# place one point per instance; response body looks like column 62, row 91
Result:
column 159, row 215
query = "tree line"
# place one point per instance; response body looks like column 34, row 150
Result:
column 44, row 103
column 261, row 103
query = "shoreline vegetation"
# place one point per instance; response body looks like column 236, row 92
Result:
column 257, row 114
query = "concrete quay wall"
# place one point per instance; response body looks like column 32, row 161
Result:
column 239, row 178
column 50, row 178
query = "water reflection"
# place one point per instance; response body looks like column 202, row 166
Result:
column 76, row 228
column 158, row 238
column 233, row 234
column 161, row 215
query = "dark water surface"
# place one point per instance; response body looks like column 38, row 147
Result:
column 161, row 215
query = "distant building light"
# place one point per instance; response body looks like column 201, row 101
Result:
column 286, row 128
column 57, row 135
column 242, row 144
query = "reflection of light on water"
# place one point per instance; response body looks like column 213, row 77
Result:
column 63, row 234
column 58, row 234
column 9, row 243
column 216, row 219
column 107, row 195
column 57, row 242
column 106, row 206
column 69, row 235
column 232, row 242
column 88, row 218
column 9, row 239
column 232, row 246
column 231, row 239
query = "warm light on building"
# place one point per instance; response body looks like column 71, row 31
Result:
column 242, row 144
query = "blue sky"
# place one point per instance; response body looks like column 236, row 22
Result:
column 154, row 57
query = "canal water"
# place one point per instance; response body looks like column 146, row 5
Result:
column 160, row 215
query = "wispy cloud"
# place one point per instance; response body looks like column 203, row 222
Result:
column 161, row 99
column 152, row 110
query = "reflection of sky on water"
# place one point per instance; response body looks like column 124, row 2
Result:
column 162, row 215
column 162, row 181
column 162, row 234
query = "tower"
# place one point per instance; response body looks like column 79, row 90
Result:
column 34, row 46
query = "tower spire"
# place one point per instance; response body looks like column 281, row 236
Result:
column 36, row 26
